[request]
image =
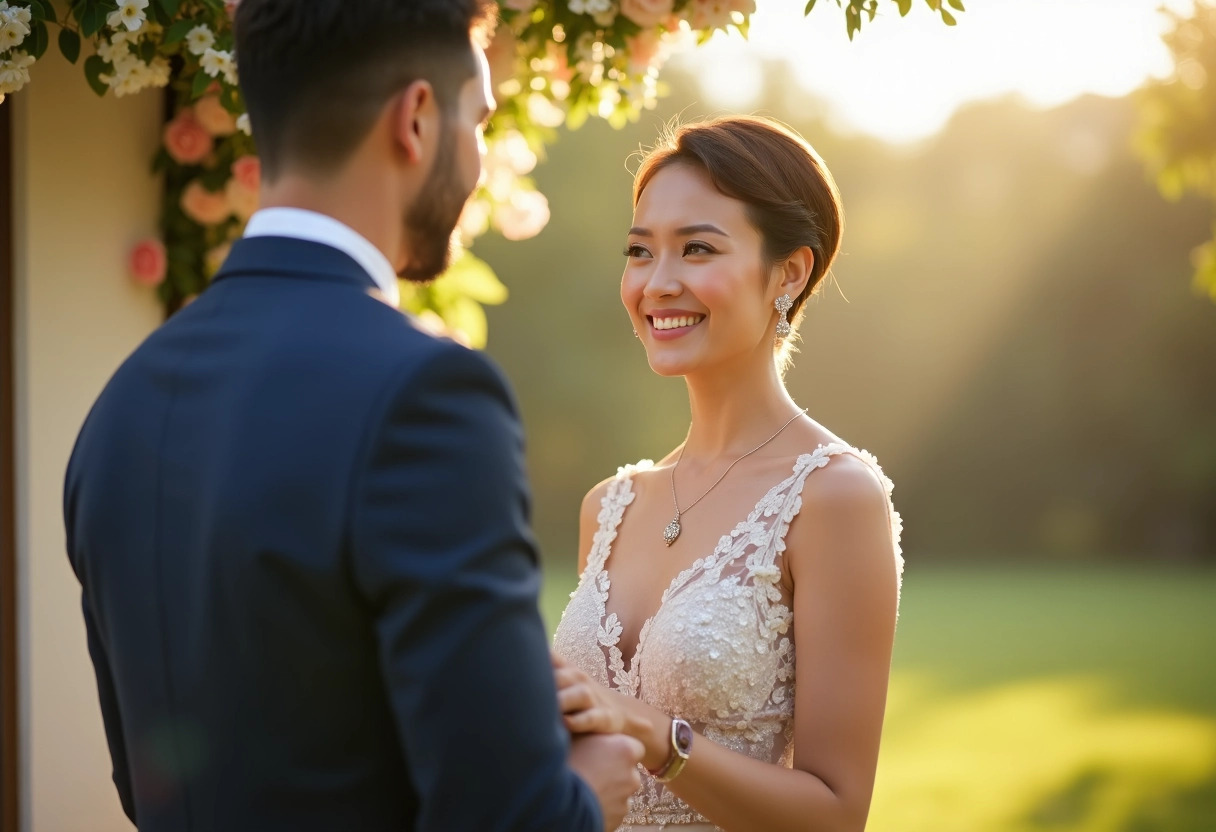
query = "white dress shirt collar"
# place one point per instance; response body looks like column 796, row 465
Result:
column 301, row 224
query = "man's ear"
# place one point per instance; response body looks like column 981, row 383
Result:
column 415, row 127
column 795, row 272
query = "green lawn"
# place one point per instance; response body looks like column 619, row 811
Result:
column 1044, row 698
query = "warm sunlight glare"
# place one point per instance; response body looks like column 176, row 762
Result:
column 902, row 79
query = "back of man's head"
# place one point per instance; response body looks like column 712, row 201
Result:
column 316, row 73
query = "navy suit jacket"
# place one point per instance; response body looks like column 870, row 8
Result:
column 301, row 529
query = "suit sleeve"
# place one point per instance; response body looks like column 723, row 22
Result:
column 106, row 694
column 110, row 715
column 443, row 554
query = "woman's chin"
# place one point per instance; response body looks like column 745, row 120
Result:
column 670, row 366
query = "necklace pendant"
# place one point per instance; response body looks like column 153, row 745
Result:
column 672, row 531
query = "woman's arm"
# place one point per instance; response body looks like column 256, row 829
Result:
column 842, row 563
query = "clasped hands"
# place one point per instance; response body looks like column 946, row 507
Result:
column 588, row 707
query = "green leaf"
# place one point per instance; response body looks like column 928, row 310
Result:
column 178, row 31
column 94, row 68
column 905, row 6
column 472, row 277
column 948, row 18
column 577, row 116
column 38, row 41
column 43, row 10
column 69, row 45
column 934, row 4
column 147, row 51
column 170, row 6
column 230, row 97
column 468, row 318
column 956, row 4
column 92, row 21
column 810, row 4
column 158, row 14
column 201, row 81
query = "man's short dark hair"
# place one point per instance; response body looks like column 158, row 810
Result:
column 316, row 73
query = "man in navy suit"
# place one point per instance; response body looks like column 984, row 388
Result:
column 300, row 523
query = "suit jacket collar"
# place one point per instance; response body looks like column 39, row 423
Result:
column 293, row 258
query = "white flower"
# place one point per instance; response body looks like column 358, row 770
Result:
column 591, row 7
column 12, row 33
column 523, row 216
column 216, row 62
column 199, row 40
column 130, row 13
column 242, row 124
column 512, row 151
column 14, row 72
column 14, row 26
column 17, row 14
column 113, row 51
column 474, row 219
column 131, row 75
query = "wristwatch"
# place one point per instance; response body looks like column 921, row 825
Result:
column 681, row 746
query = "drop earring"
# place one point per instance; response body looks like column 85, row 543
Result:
column 783, row 305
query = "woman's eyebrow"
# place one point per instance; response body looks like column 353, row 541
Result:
column 703, row 228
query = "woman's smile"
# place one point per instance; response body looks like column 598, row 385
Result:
column 667, row 324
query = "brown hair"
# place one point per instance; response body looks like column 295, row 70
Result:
column 316, row 73
column 788, row 192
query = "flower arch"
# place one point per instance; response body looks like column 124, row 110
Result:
column 553, row 62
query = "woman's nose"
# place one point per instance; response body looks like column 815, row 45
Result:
column 662, row 282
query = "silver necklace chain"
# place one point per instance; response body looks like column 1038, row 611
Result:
column 673, row 529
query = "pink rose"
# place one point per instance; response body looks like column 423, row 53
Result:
column 203, row 206
column 230, row 7
column 242, row 201
column 216, row 120
column 646, row 13
column 187, row 141
column 501, row 56
column 644, row 49
column 148, row 262
column 708, row 14
column 561, row 64
column 248, row 171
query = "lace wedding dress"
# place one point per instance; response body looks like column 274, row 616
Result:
column 719, row 651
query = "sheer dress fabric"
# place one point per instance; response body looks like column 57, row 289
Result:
column 719, row 651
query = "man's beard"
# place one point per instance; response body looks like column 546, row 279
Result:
column 431, row 220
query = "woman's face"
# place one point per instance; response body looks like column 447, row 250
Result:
column 695, row 283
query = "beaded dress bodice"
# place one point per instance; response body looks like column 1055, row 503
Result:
column 719, row 651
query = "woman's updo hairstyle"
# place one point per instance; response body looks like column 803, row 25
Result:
column 788, row 192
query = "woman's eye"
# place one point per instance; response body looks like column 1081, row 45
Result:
column 697, row 247
column 635, row 250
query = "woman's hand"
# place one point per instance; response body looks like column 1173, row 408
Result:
column 589, row 708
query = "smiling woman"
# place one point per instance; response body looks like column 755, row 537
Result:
column 691, row 644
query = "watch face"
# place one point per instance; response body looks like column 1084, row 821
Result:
column 683, row 736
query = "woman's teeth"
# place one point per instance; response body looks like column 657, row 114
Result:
column 676, row 323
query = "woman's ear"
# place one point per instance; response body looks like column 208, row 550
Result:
column 795, row 272
column 414, row 125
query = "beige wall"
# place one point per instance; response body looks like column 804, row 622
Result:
column 84, row 195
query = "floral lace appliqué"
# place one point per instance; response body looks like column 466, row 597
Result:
column 719, row 651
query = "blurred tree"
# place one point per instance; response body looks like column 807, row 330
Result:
column 1177, row 135
column 1018, row 345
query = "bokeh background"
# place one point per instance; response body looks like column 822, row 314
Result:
column 1012, row 330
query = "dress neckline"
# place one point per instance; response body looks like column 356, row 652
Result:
column 611, row 521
